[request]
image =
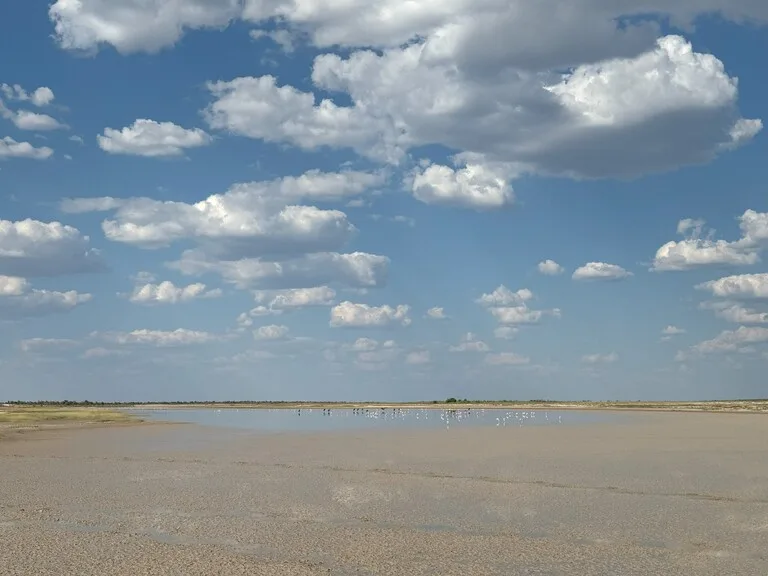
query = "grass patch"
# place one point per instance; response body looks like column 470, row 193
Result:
column 22, row 415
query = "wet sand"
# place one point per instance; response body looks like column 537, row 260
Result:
column 660, row 493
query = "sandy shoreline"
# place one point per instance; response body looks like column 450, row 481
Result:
column 37, row 430
column 659, row 493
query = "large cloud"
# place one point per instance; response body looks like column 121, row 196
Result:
column 250, row 219
column 19, row 300
column 256, row 234
column 664, row 108
column 630, row 103
column 134, row 25
column 356, row 269
column 547, row 33
column 30, row 248
column 259, row 108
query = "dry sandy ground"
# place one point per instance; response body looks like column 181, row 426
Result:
column 657, row 494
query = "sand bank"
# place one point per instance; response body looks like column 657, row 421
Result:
column 659, row 494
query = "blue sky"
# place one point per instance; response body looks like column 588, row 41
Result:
column 218, row 199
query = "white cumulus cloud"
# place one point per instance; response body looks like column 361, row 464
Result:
column 503, row 296
column 550, row 268
column 352, row 315
column 420, row 73
column 298, row 297
column 474, row 186
column 672, row 331
column 19, row 300
column 271, row 332
column 732, row 340
column 258, row 107
column 696, row 250
column 511, row 308
column 738, row 286
column 436, row 313
column 358, row 269
column 30, row 248
column 249, row 220
column 600, row 271
column 736, row 313
column 33, row 121
column 167, row 293
column 134, row 25
column 10, row 148
column 41, row 96
column 149, row 138
column 161, row 338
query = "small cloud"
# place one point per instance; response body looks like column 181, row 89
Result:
column 505, row 332
column 286, row 39
column 600, row 358
column 672, row 331
column 271, row 332
column 407, row 220
column 418, row 357
column 507, row 359
column 550, row 268
column 98, row 352
column 42, row 344
column 601, row 271
column 351, row 315
column 436, row 313
column 470, row 343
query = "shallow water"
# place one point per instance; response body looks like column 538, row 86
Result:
column 317, row 419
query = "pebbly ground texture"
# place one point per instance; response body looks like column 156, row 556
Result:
column 656, row 494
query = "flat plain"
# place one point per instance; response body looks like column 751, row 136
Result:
column 658, row 493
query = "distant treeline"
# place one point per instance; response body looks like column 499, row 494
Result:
column 256, row 402
column 451, row 400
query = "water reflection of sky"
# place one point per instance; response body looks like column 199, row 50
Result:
column 309, row 419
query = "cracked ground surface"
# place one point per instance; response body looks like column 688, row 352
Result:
column 655, row 494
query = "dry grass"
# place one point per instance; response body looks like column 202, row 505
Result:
column 31, row 415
